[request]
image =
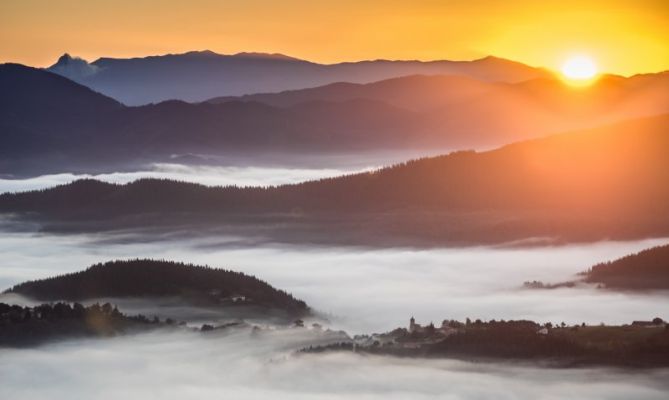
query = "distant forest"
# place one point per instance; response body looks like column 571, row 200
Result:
column 152, row 278
column 648, row 269
column 606, row 183
column 565, row 346
column 26, row 326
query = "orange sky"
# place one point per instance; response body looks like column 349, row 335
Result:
column 625, row 37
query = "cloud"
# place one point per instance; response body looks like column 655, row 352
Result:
column 372, row 290
column 181, row 365
column 365, row 290
column 205, row 175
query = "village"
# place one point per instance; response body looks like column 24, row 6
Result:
column 417, row 336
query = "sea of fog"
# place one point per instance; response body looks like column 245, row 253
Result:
column 238, row 175
column 189, row 365
column 361, row 290
column 211, row 170
column 372, row 290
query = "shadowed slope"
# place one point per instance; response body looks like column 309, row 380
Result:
column 151, row 278
column 603, row 183
column 648, row 269
column 200, row 75
column 39, row 109
column 50, row 123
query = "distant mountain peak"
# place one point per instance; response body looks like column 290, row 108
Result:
column 75, row 68
column 64, row 59
column 67, row 59
column 270, row 56
column 203, row 74
column 490, row 59
column 202, row 53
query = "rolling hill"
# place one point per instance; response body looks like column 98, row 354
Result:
column 152, row 278
column 51, row 124
column 39, row 109
column 604, row 183
column 513, row 111
column 648, row 269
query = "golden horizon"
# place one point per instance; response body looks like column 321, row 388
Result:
column 625, row 37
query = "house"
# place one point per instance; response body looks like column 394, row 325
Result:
column 446, row 329
column 655, row 323
column 542, row 331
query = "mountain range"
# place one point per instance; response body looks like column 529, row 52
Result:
column 50, row 123
column 461, row 112
column 603, row 183
column 200, row 75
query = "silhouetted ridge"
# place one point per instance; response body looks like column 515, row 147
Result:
column 648, row 269
column 200, row 75
column 153, row 278
column 51, row 124
column 603, row 183
column 25, row 326
column 27, row 89
column 44, row 112
column 643, row 344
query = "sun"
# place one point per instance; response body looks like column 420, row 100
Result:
column 579, row 70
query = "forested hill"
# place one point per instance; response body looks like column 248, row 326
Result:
column 151, row 278
column 603, row 183
column 27, row 326
column 648, row 269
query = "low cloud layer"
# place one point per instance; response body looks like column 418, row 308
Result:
column 371, row 290
column 189, row 365
column 364, row 290
column 206, row 175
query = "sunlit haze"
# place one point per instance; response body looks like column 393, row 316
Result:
column 579, row 68
column 379, row 200
column 625, row 36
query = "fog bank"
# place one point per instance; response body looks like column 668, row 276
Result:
column 187, row 365
column 202, row 174
column 370, row 290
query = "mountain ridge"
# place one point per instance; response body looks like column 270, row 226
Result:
column 141, row 278
column 51, row 123
column 200, row 75
column 603, row 183
column 644, row 270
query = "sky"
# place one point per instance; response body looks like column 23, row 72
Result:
column 622, row 36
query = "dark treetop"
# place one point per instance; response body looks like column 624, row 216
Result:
column 604, row 183
column 640, row 344
column 648, row 269
column 25, row 326
column 151, row 278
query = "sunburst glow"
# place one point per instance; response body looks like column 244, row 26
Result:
column 579, row 68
